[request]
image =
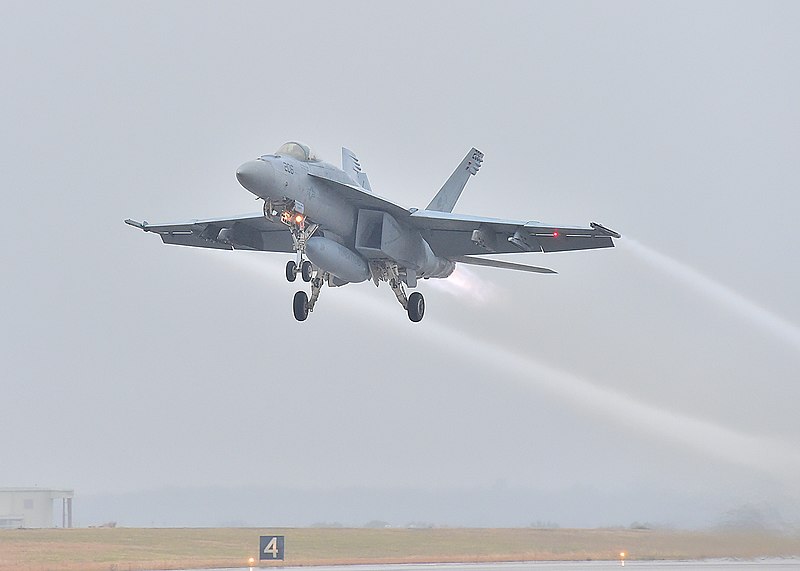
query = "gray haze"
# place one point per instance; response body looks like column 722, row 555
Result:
column 627, row 381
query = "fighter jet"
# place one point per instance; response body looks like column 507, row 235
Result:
column 341, row 232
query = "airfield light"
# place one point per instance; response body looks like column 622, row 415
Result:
column 251, row 561
column 622, row 555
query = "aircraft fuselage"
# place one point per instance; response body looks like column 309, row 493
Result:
column 275, row 178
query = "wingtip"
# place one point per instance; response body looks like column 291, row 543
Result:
column 135, row 224
column 607, row 231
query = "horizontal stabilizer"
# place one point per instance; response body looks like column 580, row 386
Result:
column 445, row 200
column 488, row 262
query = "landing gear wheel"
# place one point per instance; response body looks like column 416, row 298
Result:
column 291, row 270
column 300, row 306
column 306, row 270
column 416, row 307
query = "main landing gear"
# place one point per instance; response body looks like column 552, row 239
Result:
column 291, row 213
column 301, row 304
column 416, row 307
column 414, row 304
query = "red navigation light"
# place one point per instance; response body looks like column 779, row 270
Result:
column 555, row 233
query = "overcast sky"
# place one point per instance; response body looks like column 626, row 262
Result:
column 130, row 365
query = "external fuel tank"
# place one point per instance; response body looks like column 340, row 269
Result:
column 336, row 259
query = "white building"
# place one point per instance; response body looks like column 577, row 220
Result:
column 33, row 507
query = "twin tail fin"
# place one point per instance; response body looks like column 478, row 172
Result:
column 445, row 200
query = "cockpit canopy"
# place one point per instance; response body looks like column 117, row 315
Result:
column 297, row 151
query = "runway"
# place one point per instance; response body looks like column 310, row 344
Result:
column 710, row 565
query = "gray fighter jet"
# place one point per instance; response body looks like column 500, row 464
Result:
column 342, row 233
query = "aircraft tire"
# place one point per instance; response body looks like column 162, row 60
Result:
column 416, row 307
column 300, row 306
column 307, row 271
column 291, row 270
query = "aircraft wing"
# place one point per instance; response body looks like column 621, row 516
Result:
column 454, row 235
column 245, row 232
column 360, row 197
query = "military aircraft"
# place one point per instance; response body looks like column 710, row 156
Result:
column 342, row 233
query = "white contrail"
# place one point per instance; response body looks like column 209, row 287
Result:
column 717, row 292
column 776, row 458
column 763, row 454
column 466, row 284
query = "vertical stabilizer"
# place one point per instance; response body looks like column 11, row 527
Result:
column 445, row 200
column 352, row 167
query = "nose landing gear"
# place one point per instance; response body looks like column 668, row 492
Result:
column 306, row 271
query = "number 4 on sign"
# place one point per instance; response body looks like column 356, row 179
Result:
column 271, row 547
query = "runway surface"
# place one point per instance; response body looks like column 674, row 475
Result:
column 710, row 565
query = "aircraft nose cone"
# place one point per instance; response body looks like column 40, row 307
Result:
column 256, row 176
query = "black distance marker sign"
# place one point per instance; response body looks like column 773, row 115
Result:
column 271, row 548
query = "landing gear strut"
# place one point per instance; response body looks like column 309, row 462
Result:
column 291, row 213
column 302, row 305
column 414, row 304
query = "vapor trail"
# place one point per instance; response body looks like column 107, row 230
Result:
column 763, row 454
column 717, row 292
column 466, row 284
column 704, row 436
